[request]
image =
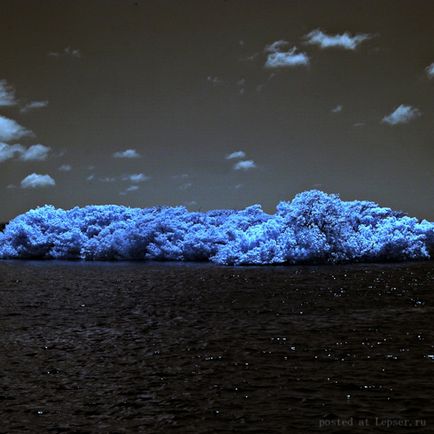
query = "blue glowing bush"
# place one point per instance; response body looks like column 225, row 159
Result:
column 314, row 227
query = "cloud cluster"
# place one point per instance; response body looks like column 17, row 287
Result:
column 127, row 154
column 11, row 130
column 36, row 180
column 402, row 115
column 344, row 40
column 314, row 227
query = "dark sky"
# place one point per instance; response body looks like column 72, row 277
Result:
column 183, row 83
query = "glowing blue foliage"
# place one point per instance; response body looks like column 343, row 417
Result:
column 314, row 227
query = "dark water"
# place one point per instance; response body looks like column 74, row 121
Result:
column 160, row 348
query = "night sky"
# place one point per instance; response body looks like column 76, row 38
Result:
column 142, row 103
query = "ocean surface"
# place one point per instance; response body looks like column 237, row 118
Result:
column 132, row 347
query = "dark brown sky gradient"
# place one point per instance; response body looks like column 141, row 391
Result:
column 141, row 83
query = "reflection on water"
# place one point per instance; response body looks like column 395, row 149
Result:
column 136, row 347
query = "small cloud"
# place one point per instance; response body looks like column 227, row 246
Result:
column 7, row 152
column 181, row 176
column 430, row 71
column 337, row 109
column 66, row 52
column 359, row 124
column 91, row 177
column 260, row 87
column 245, row 165
column 107, row 179
column 250, row 58
column 344, row 40
column 128, row 153
column 276, row 46
column 129, row 190
column 287, row 59
column 33, row 105
column 133, row 188
column 7, row 94
column 402, row 115
column 236, row 154
column 185, row 186
column 64, row 168
column 136, row 178
column 35, row 153
column 215, row 81
column 37, row 181
column 190, row 203
column 11, row 130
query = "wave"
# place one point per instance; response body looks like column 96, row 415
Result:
column 315, row 227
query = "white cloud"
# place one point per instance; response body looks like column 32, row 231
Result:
column 66, row 52
column 430, row 71
column 8, row 152
column 136, row 178
column 64, row 168
column 37, row 181
column 344, row 40
column 7, row 94
column 35, row 153
column 185, row 186
column 287, row 59
column 181, row 176
column 108, row 179
column 214, row 80
column 402, row 115
column 132, row 188
column 128, row 153
column 129, row 189
column 245, row 165
column 276, row 46
column 32, row 153
column 236, row 154
column 33, row 105
column 337, row 109
column 249, row 58
column 11, row 130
